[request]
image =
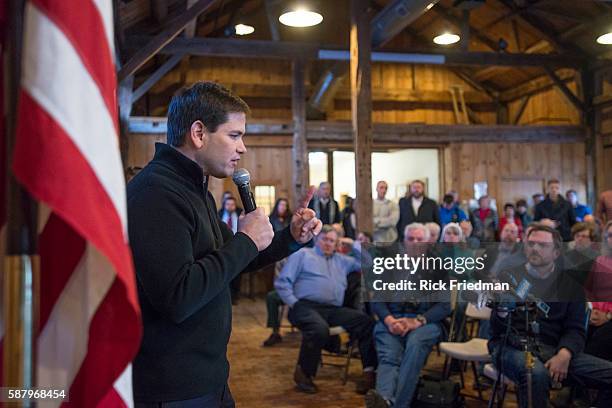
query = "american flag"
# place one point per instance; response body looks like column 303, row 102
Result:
column 67, row 156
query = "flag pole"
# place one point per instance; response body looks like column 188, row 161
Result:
column 21, row 272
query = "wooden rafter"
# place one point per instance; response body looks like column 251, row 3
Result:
column 573, row 99
column 544, row 29
column 158, row 42
column 456, row 21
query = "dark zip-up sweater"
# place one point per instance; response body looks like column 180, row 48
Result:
column 184, row 258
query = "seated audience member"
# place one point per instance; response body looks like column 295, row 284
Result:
column 470, row 239
column 484, row 220
column 599, row 334
column 510, row 217
column 580, row 210
column 313, row 283
column 508, row 253
column 599, row 282
column 280, row 218
column 450, row 211
column 581, row 257
column 522, row 213
column 559, row 357
column 537, row 198
column 434, row 232
column 558, row 209
column 405, row 334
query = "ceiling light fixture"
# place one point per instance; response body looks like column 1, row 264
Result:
column 243, row 29
column 300, row 18
column 446, row 39
column 605, row 39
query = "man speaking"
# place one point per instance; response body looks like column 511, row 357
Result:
column 185, row 257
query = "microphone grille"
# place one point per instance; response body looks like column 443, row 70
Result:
column 241, row 177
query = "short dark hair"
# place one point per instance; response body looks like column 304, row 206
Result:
column 555, row 234
column 553, row 181
column 508, row 205
column 583, row 226
column 571, row 191
column 208, row 102
column 448, row 199
column 521, row 203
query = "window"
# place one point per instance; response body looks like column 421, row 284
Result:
column 265, row 197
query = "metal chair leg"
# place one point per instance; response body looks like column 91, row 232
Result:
column 348, row 363
column 477, row 380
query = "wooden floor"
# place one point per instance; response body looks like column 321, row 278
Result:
column 262, row 377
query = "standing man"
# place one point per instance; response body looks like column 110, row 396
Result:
column 416, row 208
column 325, row 207
column 580, row 210
column 386, row 215
column 558, row 209
column 185, row 257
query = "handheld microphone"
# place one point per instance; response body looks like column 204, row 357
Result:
column 242, row 179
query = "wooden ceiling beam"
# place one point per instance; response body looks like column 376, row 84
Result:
column 158, row 42
column 408, row 133
column 569, row 95
column 536, row 85
column 544, row 29
column 289, row 50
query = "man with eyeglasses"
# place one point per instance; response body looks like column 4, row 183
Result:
column 560, row 316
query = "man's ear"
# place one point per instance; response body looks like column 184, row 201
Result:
column 198, row 134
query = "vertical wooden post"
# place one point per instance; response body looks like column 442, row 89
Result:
column 591, row 85
column 299, row 151
column 361, row 111
column 330, row 171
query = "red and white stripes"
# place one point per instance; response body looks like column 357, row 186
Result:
column 67, row 156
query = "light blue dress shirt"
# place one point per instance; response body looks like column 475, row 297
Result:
column 308, row 274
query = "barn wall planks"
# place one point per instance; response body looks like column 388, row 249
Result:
column 387, row 79
column 549, row 107
column 497, row 163
column 464, row 164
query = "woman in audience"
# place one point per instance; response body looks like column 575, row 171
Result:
column 600, row 328
column 599, row 282
column 434, row 231
column 281, row 214
column 581, row 256
column 600, row 285
column 510, row 216
column 484, row 220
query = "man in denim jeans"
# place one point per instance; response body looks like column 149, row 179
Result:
column 561, row 337
column 405, row 334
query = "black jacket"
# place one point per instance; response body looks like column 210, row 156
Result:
column 561, row 211
column 328, row 214
column 428, row 212
column 184, row 258
column 565, row 325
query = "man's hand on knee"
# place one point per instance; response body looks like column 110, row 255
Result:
column 558, row 365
